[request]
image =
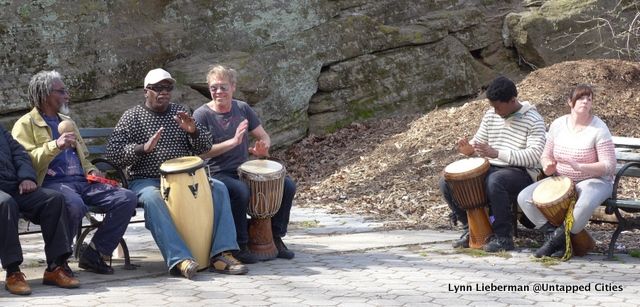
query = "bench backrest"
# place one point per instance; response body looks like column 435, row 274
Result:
column 627, row 150
column 96, row 139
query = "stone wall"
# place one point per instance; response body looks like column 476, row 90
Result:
column 554, row 31
column 306, row 66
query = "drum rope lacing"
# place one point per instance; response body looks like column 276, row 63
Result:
column 568, row 223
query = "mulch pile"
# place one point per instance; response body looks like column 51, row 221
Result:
column 388, row 168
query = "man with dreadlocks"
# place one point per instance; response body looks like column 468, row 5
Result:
column 60, row 160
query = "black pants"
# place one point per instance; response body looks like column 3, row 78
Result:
column 502, row 186
column 239, row 195
column 43, row 207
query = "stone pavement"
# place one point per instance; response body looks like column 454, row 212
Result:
column 349, row 261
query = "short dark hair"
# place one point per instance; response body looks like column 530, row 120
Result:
column 502, row 89
column 578, row 92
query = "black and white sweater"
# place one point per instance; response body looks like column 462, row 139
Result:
column 137, row 125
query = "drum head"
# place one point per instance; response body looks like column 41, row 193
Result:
column 180, row 165
column 464, row 165
column 260, row 167
column 466, row 168
column 551, row 190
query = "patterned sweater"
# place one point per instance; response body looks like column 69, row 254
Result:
column 137, row 125
column 519, row 139
column 590, row 145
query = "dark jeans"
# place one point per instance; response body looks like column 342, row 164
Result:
column 43, row 207
column 502, row 186
column 239, row 194
column 116, row 203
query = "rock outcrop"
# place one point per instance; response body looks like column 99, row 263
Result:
column 306, row 66
column 554, row 31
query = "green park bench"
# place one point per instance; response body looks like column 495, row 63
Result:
column 96, row 140
column 628, row 157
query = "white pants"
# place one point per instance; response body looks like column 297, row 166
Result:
column 591, row 193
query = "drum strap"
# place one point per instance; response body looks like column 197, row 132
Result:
column 568, row 223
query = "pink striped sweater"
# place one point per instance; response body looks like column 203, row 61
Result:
column 592, row 144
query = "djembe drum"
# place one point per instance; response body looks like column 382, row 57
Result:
column 552, row 197
column 265, row 179
column 187, row 193
column 466, row 179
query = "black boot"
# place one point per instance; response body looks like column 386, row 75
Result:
column 547, row 230
column 283, row 251
column 244, row 254
column 554, row 244
column 463, row 242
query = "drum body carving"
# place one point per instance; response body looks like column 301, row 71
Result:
column 185, row 188
column 265, row 179
column 552, row 197
column 466, row 180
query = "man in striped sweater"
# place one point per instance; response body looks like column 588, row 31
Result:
column 512, row 136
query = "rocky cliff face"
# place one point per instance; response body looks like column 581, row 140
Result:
column 554, row 31
column 306, row 66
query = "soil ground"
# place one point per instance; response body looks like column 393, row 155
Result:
column 388, row 168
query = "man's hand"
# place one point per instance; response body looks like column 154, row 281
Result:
column 465, row 148
column 485, row 150
column 27, row 186
column 150, row 145
column 240, row 132
column 186, row 122
column 260, row 149
column 66, row 140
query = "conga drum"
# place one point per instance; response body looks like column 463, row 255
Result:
column 185, row 188
column 552, row 197
column 466, row 179
column 265, row 179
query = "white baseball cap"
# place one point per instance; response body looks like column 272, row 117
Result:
column 156, row 75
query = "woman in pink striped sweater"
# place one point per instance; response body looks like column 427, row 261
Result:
column 578, row 146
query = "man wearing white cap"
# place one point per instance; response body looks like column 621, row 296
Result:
column 148, row 135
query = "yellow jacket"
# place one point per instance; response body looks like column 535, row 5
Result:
column 35, row 135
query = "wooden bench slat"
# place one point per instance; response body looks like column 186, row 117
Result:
column 627, row 156
column 630, row 172
column 621, row 141
column 91, row 133
column 97, row 149
column 624, row 203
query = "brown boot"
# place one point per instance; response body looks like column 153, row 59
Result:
column 16, row 283
column 60, row 277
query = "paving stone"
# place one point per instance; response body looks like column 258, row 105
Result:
column 283, row 299
column 451, row 302
column 338, row 264
column 353, row 304
column 285, row 305
column 384, row 302
column 216, row 302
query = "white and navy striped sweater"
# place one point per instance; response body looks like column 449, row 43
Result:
column 519, row 139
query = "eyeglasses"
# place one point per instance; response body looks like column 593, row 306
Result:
column 62, row 91
column 220, row 87
column 159, row 88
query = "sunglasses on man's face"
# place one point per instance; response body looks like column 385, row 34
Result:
column 159, row 88
column 62, row 91
column 219, row 87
